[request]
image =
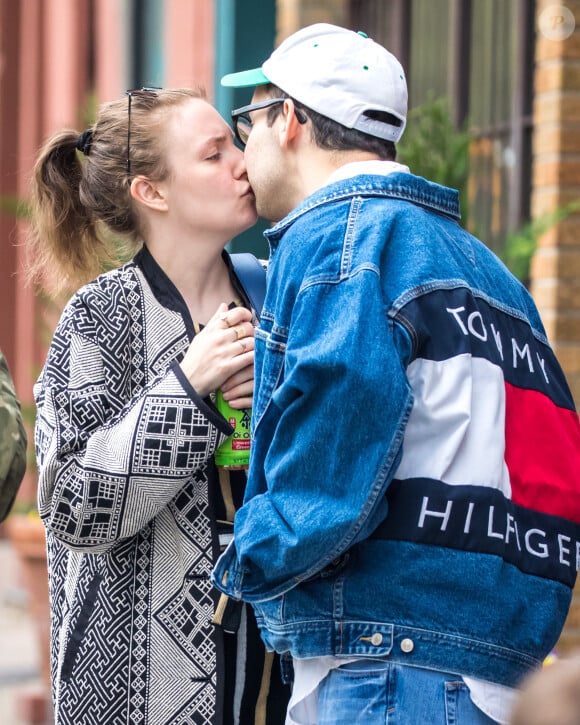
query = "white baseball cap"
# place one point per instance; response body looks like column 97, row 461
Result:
column 340, row 74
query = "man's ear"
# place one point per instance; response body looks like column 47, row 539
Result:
column 290, row 127
column 148, row 193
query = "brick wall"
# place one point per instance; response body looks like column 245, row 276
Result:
column 555, row 269
column 556, row 182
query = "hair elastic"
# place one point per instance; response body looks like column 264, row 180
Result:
column 85, row 141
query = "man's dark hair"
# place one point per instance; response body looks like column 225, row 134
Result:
column 333, row 136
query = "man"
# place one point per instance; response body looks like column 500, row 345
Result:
column 410, row 528
column 12, row 441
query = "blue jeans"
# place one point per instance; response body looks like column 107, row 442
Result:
column 368, row 692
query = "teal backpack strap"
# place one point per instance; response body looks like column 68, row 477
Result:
column 252, row 275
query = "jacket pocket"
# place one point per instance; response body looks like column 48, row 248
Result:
column 270, row 353
column 78, row 632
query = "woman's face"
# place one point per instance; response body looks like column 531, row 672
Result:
column 207, row 189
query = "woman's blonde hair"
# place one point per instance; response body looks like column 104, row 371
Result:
column 83, row 219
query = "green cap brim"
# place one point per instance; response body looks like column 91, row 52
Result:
column 245, row 78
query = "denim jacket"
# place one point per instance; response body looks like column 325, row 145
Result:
column 414, row 482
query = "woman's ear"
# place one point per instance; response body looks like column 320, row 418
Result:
column 148, row 193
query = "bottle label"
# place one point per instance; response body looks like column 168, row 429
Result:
column 235, row 450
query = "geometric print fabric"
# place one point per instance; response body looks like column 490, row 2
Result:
column 125, row 464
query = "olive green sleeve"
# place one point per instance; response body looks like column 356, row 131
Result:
column 12, row 441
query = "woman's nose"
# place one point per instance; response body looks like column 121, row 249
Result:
column 239, row 162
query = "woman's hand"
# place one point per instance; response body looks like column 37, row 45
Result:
column 238, row 390
column 223, row 353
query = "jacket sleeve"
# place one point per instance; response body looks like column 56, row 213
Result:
column 317, row 485
column 12, row 441
column 107, row 466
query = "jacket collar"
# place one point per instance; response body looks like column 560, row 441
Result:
column 396, row 185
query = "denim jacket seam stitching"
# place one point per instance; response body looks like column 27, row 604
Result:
column 401, row 319
column 334, row 280
column 349, row 237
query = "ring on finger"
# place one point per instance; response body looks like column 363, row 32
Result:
column 240, row 331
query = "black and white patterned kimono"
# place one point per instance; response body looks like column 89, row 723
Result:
column 134, row 510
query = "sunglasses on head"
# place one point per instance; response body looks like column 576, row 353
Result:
column 135, row 92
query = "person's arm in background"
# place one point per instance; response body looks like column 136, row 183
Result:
column 12, row 441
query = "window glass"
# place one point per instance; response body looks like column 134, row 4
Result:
column 478, row 54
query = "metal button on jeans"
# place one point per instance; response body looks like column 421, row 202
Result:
column 377, row 639
column 407, row 645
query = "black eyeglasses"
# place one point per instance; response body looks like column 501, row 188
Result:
column 242, row 122
column 152, row 91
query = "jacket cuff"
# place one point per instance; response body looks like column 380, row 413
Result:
column 226, row 576
column 205, row 405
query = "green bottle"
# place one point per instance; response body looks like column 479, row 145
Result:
column 234, row 452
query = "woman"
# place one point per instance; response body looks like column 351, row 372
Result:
column 132, row 502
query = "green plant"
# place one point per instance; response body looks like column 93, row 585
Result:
column 433, row 148
column 521, row 243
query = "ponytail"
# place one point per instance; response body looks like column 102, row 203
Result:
column 66, row 248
